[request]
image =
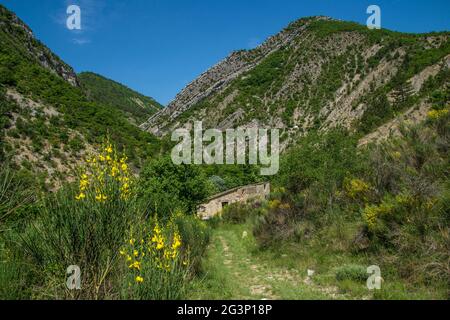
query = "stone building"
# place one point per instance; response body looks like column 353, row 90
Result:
column 216, row 203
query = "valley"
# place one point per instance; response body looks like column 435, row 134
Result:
column 88, row 177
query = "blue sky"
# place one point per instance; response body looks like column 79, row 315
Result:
column 158, row 46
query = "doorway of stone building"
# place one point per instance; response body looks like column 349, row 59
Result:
column 225, row 204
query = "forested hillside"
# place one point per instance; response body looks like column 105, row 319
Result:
column 137, row 107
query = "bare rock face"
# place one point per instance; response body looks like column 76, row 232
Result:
column 11, row 24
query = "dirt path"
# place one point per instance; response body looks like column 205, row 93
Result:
column 235, row 270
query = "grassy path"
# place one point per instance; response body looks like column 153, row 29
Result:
column 235, row 270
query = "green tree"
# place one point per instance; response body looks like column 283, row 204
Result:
column 167, row 187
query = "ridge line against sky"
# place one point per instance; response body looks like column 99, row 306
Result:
column 156, row 47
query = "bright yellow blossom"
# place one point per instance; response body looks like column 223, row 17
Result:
column 135, row 265
column 81, row 196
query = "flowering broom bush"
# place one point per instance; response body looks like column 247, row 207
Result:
column 100, row 225
column 157, row 267
column 85, row 226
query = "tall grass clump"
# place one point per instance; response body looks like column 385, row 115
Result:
column 13, row 196
column 14, row 200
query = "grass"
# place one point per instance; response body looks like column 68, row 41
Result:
column 236, row 268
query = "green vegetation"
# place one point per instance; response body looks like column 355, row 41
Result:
column 75, row 121
column 115, row 95
column 102, row 225
column 126, row 214
column 170, row 187
column 340, row 211
column 235, row 269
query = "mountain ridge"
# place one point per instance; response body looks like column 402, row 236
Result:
column 315, row 74
column 133, row 104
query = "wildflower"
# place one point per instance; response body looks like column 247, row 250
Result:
column 139, row 279
column 101, row 197
column 159, row 245
column 136, row 253
column 135, row 265
column 356, row 188
column 285, row 206
column 436, row 114
column 274, row 204
column 132, row 241
column 83, row 185
column 176, row 241
column 114, row 171
column 81, row 196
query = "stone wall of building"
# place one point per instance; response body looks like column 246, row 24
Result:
column 215, row 204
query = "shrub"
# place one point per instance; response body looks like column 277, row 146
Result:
column 276, row 225
column 157, row 269
column 356, row 189
column 236, row 213
column 196, row 235
column 85, row 227
column 352, row 272
column 391, row 209
column 167, row 187
column 436, row 114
